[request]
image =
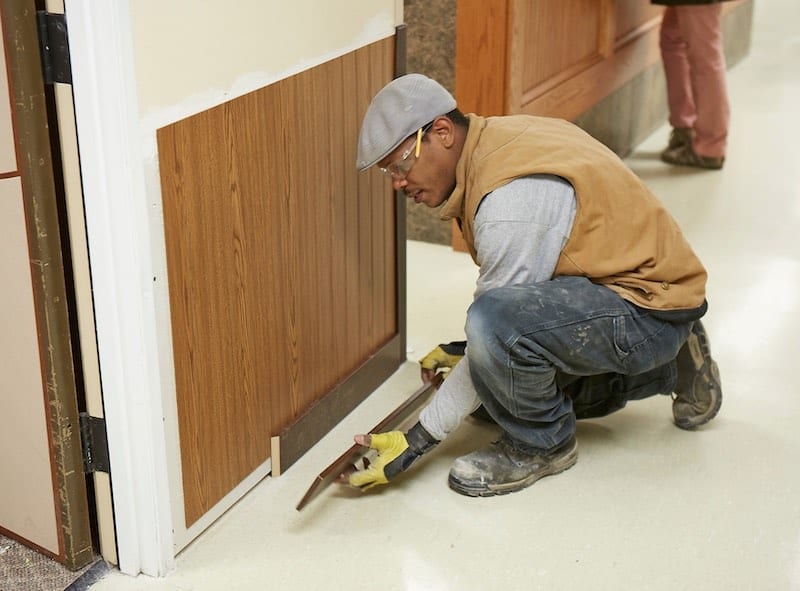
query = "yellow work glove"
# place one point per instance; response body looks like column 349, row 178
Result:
column 397, row 451
column 445, row 356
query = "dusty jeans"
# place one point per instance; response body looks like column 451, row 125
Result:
column 542, row 355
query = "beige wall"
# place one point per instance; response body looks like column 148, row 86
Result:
column 190, row 56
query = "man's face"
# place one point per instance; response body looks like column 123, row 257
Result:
column 424, row 165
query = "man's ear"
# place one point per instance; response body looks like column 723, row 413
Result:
column 444, row 130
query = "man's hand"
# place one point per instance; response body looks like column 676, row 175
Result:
column 445, row 356
column 397, row 451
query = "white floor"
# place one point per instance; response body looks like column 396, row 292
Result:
column 647, row 506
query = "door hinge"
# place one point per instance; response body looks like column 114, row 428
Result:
column 95, row 444
column 54, row 47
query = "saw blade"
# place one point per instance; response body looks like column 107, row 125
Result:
column 345, row 461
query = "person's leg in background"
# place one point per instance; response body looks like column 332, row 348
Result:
column 701, row 26
column 680, row 100
column 694, row 66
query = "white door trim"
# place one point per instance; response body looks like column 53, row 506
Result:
column 121, row 263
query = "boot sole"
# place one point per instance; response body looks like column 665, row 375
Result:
column 482, row 489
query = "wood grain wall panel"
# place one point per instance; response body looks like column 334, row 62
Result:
column 279, row 255
column 482, row 38
column 353, row 185
column 383, row 360
column 337, row 170
column 552, row 37
column 632, row 18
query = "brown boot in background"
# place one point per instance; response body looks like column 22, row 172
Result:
column 686, row 156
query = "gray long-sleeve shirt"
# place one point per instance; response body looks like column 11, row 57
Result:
column 520, row 229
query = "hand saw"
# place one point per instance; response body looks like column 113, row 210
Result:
column 356, row 452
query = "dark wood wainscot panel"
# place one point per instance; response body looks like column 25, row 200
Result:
column 283, row 266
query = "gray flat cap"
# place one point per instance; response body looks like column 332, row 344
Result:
column 396, row 112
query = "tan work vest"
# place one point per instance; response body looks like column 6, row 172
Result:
column 622, row 237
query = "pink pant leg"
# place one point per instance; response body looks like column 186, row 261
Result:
column 694, row 65
column 676, row 71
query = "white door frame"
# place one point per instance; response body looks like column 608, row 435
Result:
column 122, row 270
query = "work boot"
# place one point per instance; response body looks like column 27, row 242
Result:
column 503, row 468
column 698, row 392
column 679, row 137
column 686, row 156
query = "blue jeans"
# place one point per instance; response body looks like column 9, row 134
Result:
column 545, row 354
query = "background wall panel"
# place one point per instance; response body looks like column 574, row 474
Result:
column 630, row 15
column 541, row 26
